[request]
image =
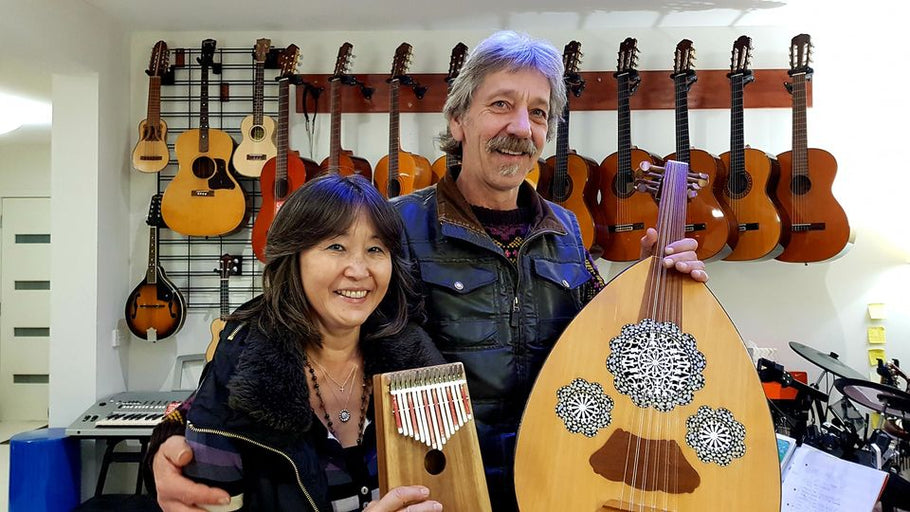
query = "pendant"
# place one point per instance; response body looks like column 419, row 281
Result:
column 344, row 415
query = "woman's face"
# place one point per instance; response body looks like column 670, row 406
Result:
column 346, row 277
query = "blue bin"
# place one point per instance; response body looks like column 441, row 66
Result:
column 44, row 471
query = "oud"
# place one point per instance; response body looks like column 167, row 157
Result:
column 258, row 144
column 342, row 161
column 649, row 400
column 151, row 153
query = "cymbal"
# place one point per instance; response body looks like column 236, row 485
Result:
column 878, row 397
column 826, row 361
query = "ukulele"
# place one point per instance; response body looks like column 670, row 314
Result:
column 445, row 164
column 815, row 227
column 151, row 153
column 285, row 172
column 230, row 266
column 649, row 400
column 258, row 144
column 750, row 174
column 204, row 199
column 342, row 161
column 564, row 180
column 622, row 216
column 155, row 308
column 706, row 220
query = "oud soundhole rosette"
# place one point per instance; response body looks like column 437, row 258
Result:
column 715, row 435
column 584, row 407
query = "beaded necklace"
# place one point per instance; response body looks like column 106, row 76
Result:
column 364, row 401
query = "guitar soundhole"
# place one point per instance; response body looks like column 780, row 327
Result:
column 624, row 185
column 562, row 191
column 203, row 167
column 394, row 188
column 739, row 185
column 257, row 133
column 800, row 185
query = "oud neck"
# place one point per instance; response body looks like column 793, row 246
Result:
column 258, row 95
column 681, row 85
column 204, row 111
column 335, row 136
column 153, row 117
column 624, row 121
column 800, row 150
column 394, row 143
column 151, row 275
column 281, row 164
column 737, row 137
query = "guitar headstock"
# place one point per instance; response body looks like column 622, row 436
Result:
column 343, row 62
column 401, row 61
column 571, row 58
column 208, row 52
column 800, row 55
column 456, row 61
column 154, row 218
column 650, row 178
column 741, row 56
column 231, row 265
column 261, row 50
column 627, row 59
column 684, row 59
column 159, row 60
column 287, row 62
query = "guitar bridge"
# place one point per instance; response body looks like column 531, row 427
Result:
column 748, row 226
column 203, row 193
column 815, row 226
column 625, row 228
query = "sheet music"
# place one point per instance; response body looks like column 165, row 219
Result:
column 816, row 481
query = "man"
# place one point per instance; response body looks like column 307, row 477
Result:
column 503, row 270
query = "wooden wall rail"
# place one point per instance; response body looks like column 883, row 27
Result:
column 712, row 90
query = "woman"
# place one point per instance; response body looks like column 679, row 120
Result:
column 281, row 418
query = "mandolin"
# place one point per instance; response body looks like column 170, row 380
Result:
column 258, row 144
column 285, row 172
column 565, row 179
column 151, row 153
column 230, row 266
column 444, row 164
column 649, row 400
column 204, row 199
column 707, row 221
column 815, row 227
column 340, row 160
column 155, row 308
column 751, row 174
column 622, row 216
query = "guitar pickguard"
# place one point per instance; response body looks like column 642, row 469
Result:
column 221, row 179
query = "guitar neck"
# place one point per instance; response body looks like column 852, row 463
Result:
column 800, row 149
column 624, row 121
column 561, row 173
column 335, row 136
column 737, row 138
column 204, row 111
column 153, row 117
column 225, row 297
column 680, row 84
column 258, row 94
column 281, row 164
column 394, row 143
column 151, row 274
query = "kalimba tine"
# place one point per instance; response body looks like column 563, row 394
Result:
column 426, row 436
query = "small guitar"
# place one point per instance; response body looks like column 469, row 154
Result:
column 258, row 144
column 204, row 199
column 707, row 221
column 815, row 227
column 565, row 179
column 230, row 266
column 155, row 308
column 340, row 160
column 285, row 172
column 151, row 153
column 444, row 164
column 622, row 216
column 750, row 174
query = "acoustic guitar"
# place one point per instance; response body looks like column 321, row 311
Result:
column 285, row 172
column 155, row 309
column 342, row 161
column 707, row 221
column 565, row 179
column 622, row 216
column 750, row 174
column 204, row 199
column 444, row 164
column 151, row 153
column 230, row 266
column 649, row 400
column 815, row 226
column 258, row 144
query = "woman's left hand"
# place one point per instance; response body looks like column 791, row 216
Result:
column 410, row 498
column 679, row 255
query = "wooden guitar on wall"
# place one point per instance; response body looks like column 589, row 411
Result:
column 650, row 404
column 285, row 172
column 204, row 199
column 342, row 161
column 258, row 144
column 230, row 266
column 155, row 309
column 815, row 226
column 444, row 164
column 750, row 174
column 151, row 153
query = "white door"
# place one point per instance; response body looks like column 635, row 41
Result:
column 24, row 307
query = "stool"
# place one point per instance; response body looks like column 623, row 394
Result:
column 44, row 471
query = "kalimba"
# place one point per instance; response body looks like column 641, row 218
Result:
column 426, row 436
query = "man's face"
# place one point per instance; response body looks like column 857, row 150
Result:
column 504, row 130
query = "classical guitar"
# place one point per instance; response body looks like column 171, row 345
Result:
column 444, row 164
column 707, row 221
column 565, row 179
column 285, row 172
column 230, row 266
column 815, row 227
column 204, row 199
column 340, row 160
column 649, row 400
column 622, row 216
column 750, row 174
column 258, row 130
column 151, row 153
column 155, row 308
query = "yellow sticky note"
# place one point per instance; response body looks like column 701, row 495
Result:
column 877, row 311
column 876, row 334
column 875, row 354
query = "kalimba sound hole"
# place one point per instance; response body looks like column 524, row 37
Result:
column 434, row 462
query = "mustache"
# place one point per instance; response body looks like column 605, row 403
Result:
column 512, row 144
